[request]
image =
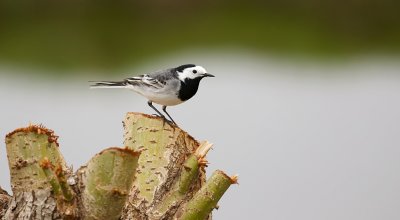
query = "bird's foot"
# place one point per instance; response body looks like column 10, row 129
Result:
column 171, row 123
column 165, row 120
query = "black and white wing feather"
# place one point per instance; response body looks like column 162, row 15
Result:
column 145, row 81
column 156, row 80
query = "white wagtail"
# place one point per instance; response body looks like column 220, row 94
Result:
column 167, row 87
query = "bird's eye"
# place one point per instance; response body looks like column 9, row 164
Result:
column 194, row 71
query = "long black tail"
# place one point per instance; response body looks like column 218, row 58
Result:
column 108, row 84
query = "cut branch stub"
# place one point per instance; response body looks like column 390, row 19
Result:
column 205, row 200
column 108, row 177
column 164, row 150
column 26, row 148
column 57, row 180
column 176, row 195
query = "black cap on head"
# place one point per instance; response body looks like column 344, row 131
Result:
column 182, row 67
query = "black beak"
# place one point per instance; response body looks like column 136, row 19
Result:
column 208, row 75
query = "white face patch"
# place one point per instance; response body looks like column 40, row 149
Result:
column 191, row 73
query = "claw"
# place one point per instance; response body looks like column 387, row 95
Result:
column 164, row 108
column 168, row 121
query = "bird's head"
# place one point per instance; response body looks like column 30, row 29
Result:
column 191, row 71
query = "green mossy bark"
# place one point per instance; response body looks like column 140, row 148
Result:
column 26, row 148
column 178, row 191
column 32, row 190
column 57, row 180
column 108, row 178
column 164, row 148
column 205, row 200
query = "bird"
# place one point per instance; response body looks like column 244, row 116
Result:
column 167, row 87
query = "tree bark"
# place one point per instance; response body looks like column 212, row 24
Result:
column 4, row 200
column 158, row 174
column 164, row 149
column 26, row 148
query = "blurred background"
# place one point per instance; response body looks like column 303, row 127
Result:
column 305, row 106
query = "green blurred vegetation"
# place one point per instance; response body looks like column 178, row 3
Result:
column 109, row 35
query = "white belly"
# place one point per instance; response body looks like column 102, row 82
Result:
column 166, row 95
column 165, row 100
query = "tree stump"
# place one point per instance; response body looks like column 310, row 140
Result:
column 158, row 174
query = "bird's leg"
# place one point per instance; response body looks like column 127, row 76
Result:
column 159, row 113
column 154, row 108
column 164, row 108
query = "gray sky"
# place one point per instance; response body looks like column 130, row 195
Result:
column 308, row 141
